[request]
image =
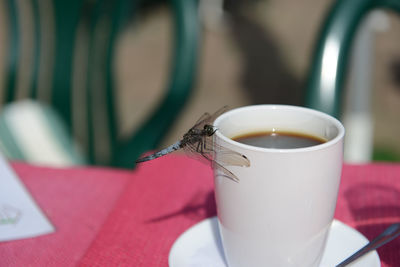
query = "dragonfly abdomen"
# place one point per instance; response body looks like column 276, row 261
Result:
column 161, row 153
column 167, row 150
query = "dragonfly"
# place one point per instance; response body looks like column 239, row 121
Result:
column 198, row 142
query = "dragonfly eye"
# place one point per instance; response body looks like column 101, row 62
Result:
column 209, row 130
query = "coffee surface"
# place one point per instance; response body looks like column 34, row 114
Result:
column 280, row 140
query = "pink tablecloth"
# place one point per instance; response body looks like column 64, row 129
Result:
column 107, row 217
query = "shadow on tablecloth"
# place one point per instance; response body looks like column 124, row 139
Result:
column 197, row 207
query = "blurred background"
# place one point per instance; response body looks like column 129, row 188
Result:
column 251, row 52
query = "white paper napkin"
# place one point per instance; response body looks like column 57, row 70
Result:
column 20, row 216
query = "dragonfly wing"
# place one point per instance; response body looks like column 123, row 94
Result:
column 209, row 157
column 203, row 118
column 224, row 155
column 229, row 157
column 227, row 173
column 218, row 155
column 207, row 118
column 191, row 149
column 219, row 112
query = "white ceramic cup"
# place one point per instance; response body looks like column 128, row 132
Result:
column 280, row 212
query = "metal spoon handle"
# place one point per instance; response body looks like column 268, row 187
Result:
column 386, row 236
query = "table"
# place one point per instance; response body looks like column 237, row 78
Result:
column 111, row 217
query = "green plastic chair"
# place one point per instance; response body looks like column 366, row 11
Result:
column 56, row 66
column 324, row 90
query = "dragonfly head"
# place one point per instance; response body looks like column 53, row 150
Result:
column 209, row 129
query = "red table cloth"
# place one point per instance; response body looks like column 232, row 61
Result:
column 109, row 217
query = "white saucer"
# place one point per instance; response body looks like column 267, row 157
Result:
column 200, row 246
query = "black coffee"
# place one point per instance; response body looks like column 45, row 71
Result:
column 283, row 140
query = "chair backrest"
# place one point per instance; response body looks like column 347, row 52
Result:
column 330, row 60
column 62, row 52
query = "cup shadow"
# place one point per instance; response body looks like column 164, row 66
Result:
column 198, row 207
column 217, row 239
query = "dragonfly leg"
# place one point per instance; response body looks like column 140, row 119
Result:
column 201, row 150
column 199, row 147
column 206, row 148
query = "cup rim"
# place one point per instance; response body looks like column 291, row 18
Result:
column 334, row 121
